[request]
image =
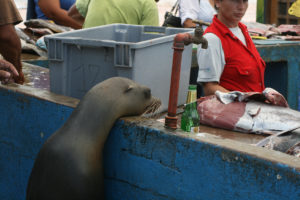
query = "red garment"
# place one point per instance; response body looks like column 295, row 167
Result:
column 244, row 68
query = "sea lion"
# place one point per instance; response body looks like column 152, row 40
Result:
column 69, row 165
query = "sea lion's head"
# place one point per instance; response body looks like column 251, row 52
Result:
column 124, row 96
column 136, row 99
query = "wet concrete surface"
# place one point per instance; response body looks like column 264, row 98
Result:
column 38, row 78
column 157, row 122
column 242, row 137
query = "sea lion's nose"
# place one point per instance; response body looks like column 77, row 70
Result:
column 147, row 93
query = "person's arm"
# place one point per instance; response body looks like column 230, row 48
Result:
column 210, row 88
column 188, row 11
column 192, row 10
column 7, row 72
column 74, row 14
column 212, row 3
column 211, row 63
column 188, row 23
column 10, row 49
column 52, row 9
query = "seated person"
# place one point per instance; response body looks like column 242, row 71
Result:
column 231, row 61
column 56, row 10
column 97, row 13
column 196, row 10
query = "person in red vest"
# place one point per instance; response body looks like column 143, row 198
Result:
column 231, row 62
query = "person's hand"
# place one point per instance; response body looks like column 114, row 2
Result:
column 19, row 79
column 275, row 98
column 7, row 72
column 74, row 14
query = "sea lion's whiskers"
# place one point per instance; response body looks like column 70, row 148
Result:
column 150, row 110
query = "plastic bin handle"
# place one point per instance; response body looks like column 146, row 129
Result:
column 154, row 29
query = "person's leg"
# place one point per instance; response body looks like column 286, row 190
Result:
column 10, row 49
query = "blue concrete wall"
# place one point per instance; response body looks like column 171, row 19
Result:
column 146, row 164
column 26, row 122
column 143, row 162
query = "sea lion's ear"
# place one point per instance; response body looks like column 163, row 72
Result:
column 130, row 87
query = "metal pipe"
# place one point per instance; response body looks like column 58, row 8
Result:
column 178, row 46
column 180, row 40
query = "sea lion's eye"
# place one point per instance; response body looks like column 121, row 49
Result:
column 147, row 93
column 130, row 87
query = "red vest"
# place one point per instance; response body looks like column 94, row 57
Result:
column 244, row 68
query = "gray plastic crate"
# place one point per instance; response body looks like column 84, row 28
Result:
column 80, row 59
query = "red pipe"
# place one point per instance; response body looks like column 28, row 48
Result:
column 180, row 40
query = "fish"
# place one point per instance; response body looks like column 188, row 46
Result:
column 289, row 29
column 255, row 113
column 42, row 23
column 284, row 141
column 247, row 112
column 22, row 35
column 294, row 150
column 29, row 48
column 289, row 37
column 40, row 31
column 259, row 29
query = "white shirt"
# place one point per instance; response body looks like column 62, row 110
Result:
column 211, row 61
column 191, row 9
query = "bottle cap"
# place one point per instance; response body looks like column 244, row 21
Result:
column 192, row 87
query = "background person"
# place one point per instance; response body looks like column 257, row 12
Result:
column 10, row 45
column 97, row 13
column 56, row 10
column 196, row 10
column 231, row 61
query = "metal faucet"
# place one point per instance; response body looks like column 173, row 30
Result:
column 198, row 36
column 180, row 40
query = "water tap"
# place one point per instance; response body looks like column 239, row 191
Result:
column 198, row 36
column 180, row 40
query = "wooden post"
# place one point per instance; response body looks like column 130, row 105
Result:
column 273, row 11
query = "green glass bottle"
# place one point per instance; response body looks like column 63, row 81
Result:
column 186, row 119
column 190, row 121
column 195, row 128
column 192, row 94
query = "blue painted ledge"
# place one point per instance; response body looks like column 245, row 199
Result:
column 143, row 160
